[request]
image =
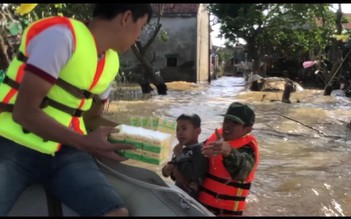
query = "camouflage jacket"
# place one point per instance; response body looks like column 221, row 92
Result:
column 240, row 162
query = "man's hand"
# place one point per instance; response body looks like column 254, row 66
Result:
column 97, row 144
column 217, row 147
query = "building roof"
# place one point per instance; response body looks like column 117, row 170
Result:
column 176, row 9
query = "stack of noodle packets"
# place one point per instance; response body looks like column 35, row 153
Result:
column 152, row 136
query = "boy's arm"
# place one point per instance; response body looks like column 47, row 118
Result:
column 240, row 162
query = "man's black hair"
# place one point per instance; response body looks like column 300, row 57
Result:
column 193, row 118
column 109, row 11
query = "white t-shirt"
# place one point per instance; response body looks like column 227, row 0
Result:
column 49, row 52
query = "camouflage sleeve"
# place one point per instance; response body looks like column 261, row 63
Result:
column 240, row 162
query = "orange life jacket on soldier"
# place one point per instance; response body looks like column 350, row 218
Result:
column 220, row 193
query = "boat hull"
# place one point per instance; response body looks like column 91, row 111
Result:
column 145, row 194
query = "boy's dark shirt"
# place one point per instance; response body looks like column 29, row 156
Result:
column 191, row 163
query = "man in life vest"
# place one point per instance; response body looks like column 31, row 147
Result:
column 233, row 155
column 53, row 92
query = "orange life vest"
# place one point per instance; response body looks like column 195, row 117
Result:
column 220, row 193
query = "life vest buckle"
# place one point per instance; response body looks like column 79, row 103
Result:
column 77, row 113
column 87, row 94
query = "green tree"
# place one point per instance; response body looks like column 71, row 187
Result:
column 284, row 29
column 244, row 21
column 12, row 24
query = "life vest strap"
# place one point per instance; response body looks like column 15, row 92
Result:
column 6, row 107
column 231, row 183
column 25, row 131
column 222, row 212
column 21, row 57
column 11, row 83
column 221, row 196
column 72, row 111
column 78, row 93
column 73, row 90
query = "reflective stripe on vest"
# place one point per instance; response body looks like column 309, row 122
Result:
column 82, row 71
column 220, row 193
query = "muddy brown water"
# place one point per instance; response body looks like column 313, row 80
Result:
column 305, row 146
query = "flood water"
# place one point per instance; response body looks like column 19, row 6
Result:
column 305, row 146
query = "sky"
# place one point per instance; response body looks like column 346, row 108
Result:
column 346, row 8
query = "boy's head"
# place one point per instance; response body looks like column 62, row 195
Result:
column 122, row 23
column 110, row 11
column 238, row 121
column 188, row 129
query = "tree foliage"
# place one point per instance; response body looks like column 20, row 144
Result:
column 280, row 29
column 12, row 24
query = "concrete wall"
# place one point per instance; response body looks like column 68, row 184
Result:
column 203, row 45
column 182, row 40
column 190, row 48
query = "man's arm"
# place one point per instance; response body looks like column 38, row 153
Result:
column 27, row 113
column 42, row 69
column 240, row 162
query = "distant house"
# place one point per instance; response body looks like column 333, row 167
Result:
column 348, row 24
column 185, row 56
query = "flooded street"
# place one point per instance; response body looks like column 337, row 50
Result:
column 305, row 146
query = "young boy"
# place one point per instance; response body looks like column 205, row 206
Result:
column 188, row 166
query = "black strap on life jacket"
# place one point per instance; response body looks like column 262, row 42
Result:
column 222, row 196
column 73, row 90
column 69, row 110
column 7, row 107
column 10, row 82
column 76, row 92
column 21, row 57
column 230, row 183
